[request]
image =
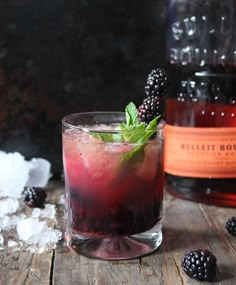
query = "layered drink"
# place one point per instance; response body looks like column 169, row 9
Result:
column 114, row 188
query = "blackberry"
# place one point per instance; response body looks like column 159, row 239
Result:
column 149, row 110
column 231, row 226
column 34, row 197
column 200, row 264
column 157, row 83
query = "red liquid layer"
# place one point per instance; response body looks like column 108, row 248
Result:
column 104, row 200
column 201, row 114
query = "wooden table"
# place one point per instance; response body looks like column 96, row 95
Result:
column 186, row 226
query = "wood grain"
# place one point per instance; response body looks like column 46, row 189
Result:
column 22, row 267
column 186, row 226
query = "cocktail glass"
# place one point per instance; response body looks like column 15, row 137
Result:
column 114, row 190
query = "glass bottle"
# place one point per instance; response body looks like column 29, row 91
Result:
column 200, row 149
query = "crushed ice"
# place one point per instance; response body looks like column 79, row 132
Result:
column 48, row 212
column 35, row 172
column 8, row 206
column 37, row 234
column 8, row 223
column 12, row 243
column 1, row 240
column 33, row 232
column 39, row 172
column 13, row 165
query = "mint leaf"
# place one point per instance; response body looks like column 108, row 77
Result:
column 153, row 124
column 150, row 130
column 133, row 135
column 132, row 131
column 131, row 114
column 135, row 132
column 107, row 137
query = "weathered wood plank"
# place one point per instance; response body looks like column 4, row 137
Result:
column 22, row 267
column 71, row 268
column 222, row 243
column 189, row 226
column 186, row 226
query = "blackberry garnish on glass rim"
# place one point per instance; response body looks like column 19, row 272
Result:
column 149, row 109
column 200, row 264
column 156, row 90
column 157, row 83
column 34, row 197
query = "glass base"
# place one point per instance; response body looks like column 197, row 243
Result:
column 117, row 247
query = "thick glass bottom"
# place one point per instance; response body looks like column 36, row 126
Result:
column 219, row 192
column 117, row 247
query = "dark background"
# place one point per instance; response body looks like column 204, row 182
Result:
column 59, row 57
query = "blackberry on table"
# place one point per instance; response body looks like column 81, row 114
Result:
column 149, row 110
column 200, row 264
column 157, row 83
column 231, row 226
column 34, row 197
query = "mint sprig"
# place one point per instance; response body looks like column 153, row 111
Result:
column 136, row 132
column 132, row 131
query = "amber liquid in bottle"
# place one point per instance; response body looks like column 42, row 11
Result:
column 200, row 138
column 203, row 97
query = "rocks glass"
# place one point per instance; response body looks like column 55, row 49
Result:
column 114, row 189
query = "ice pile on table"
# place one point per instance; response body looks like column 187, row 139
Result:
column 34, row 232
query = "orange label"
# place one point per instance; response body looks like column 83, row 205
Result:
column 200, row 152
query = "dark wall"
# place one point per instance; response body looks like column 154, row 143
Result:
column 59, row 57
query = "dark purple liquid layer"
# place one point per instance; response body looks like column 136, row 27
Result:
column 91, row 216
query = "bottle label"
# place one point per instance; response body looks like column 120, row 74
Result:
column 200, row 152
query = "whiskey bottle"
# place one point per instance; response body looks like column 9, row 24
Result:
column 200, row 135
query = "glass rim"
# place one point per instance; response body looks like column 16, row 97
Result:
column 90, row 113
column 86, row 128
